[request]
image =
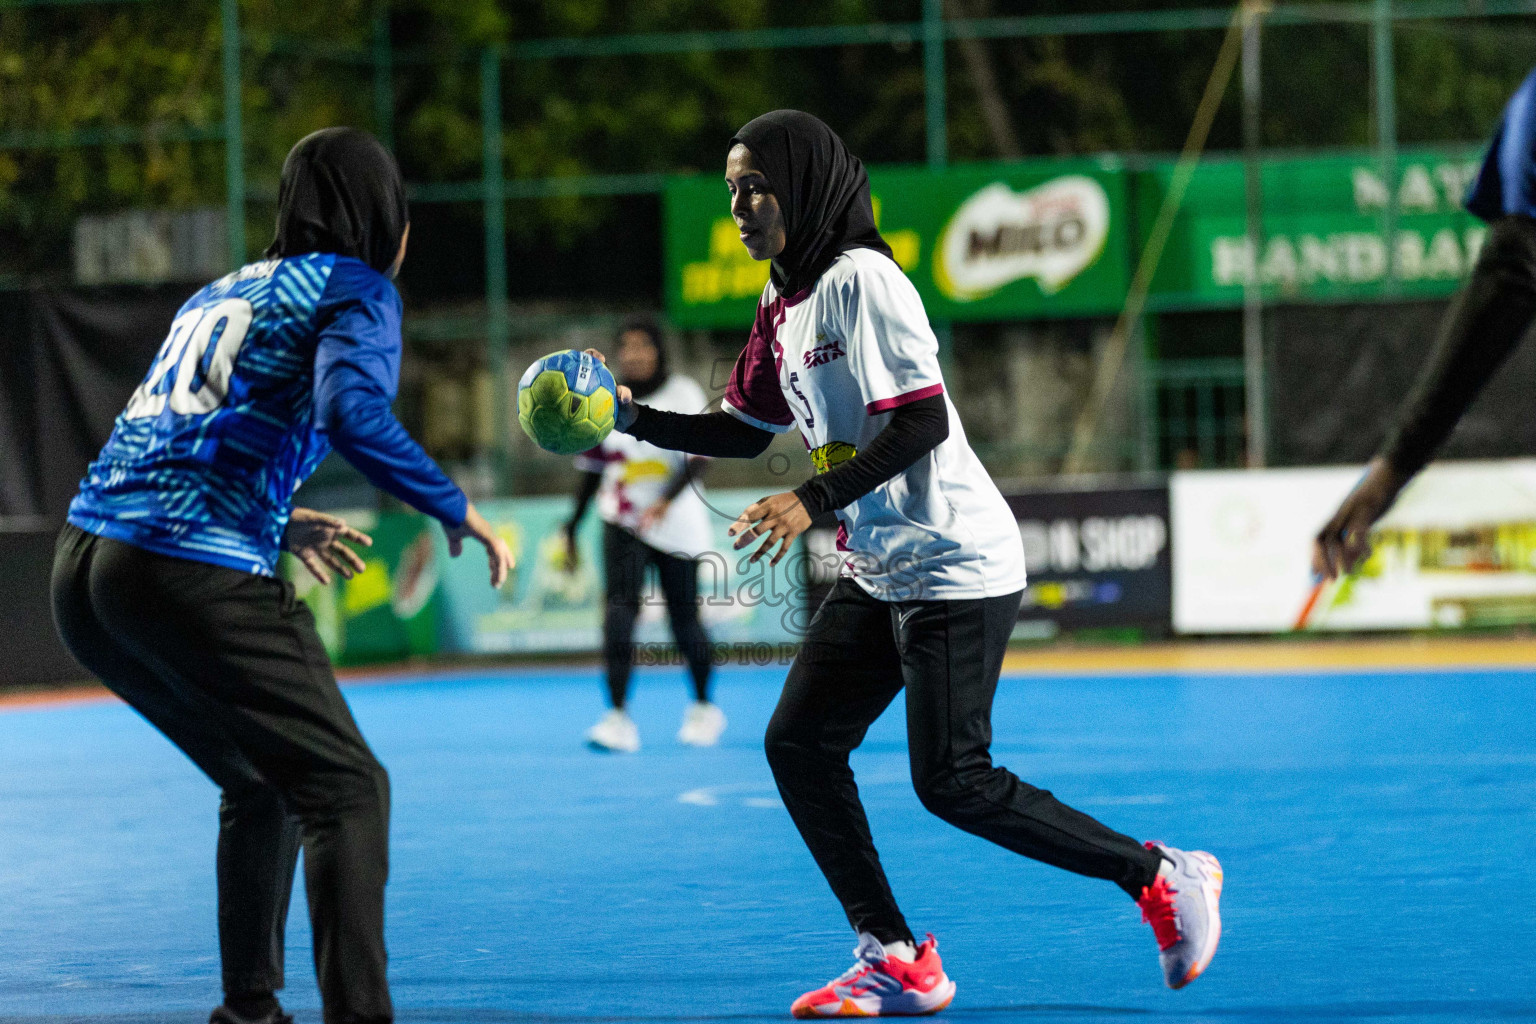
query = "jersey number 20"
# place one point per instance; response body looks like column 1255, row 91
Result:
column 198, row 378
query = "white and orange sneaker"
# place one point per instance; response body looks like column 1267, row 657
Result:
column 878, row 985
column 1183, row 906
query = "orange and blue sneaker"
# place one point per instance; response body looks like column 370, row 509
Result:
column 878, row 985
column 1183, row 906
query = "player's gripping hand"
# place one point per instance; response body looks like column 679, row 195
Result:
column 476, row 528
column 319, row 540
column 779, row 517
column 1344, row 541
column 624, row 415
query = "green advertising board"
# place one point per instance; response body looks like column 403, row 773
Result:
column 1322, row 237
column 1040, row 239
column 412, row 599
column 391, row 609
column 548, row 605
column 981, row 242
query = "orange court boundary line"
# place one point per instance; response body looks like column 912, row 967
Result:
column 95, row 693
column 82, row 694
column 1252, row 657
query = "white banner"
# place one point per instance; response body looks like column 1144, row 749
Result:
column 1458, row 549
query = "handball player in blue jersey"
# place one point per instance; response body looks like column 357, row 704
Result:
column 1487, row 319
column 165, row 585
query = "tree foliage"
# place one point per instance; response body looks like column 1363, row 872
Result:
column 155, row 64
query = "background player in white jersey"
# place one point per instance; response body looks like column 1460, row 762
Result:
column 164, row 579
column 932, row 579
column 653, row 515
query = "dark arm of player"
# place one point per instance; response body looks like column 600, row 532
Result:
column 914, row 430
column 352, row 406
column 1484, row 324
column 717, row 434
column 693, row 469
column 585, row 489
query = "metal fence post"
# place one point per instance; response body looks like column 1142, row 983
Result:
column 1146, row 367
column 1386, row 131
column 234, row 140
column 935, row 104
column 495, row 210
column 383, row 77
column 1255, row 412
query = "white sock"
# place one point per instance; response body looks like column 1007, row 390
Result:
column 903, row 951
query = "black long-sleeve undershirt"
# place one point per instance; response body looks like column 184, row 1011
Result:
column 717, row 434
column 1486, row 321
column 693, row 469
column 586, row 487
column 914, row 430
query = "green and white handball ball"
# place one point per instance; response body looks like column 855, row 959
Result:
column 565, row 402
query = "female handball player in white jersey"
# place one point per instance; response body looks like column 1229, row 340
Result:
column 653, row 514
column 932, row 578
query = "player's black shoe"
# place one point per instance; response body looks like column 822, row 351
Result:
column 224, row 1015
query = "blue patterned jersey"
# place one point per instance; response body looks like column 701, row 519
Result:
column 1506, row 183
column 203, row 462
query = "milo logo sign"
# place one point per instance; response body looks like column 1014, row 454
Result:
column 1050, row 233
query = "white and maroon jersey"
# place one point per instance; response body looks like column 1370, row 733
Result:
column 636, row 474
column 835, row 360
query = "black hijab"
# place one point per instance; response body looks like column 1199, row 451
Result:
column 341, row 192
column 822, row 189
column 648, row 327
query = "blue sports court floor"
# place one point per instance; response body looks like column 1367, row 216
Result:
column 1378, row 832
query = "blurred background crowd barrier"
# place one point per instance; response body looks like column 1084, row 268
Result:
column 1123, row 559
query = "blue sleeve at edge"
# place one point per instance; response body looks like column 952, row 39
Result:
column 357, row 374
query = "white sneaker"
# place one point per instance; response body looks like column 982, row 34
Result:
column 614, row 732
column 703, row 723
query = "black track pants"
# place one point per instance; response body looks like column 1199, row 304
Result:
column 858, row 654
column 625, row 557
column 229, row 667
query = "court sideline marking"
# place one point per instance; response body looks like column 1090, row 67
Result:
column 1237, row 657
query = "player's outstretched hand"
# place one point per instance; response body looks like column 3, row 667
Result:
column 624, row 415
column 779, row 517
column 1345, row 540
column 320, row 541
column 476, row 528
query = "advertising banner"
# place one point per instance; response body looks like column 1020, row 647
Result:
column 981, row 242
column 1036, row 239
column 546, row 606
column 391, row 609
column 1097, row 558
column 1322, row 228
column 1458, row 549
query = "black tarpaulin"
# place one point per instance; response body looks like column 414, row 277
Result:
column 1337, row 375
column 69, row 359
